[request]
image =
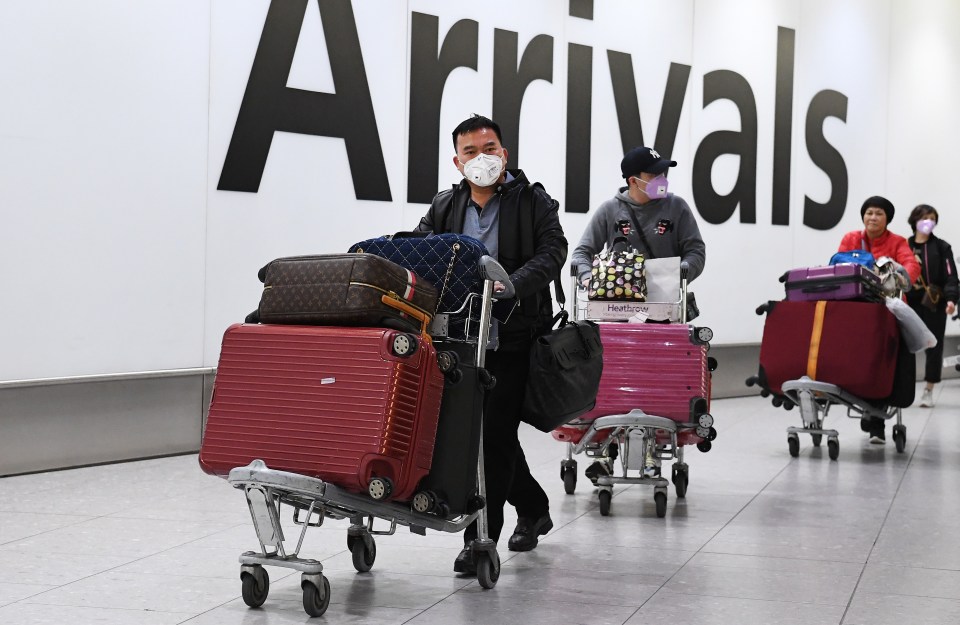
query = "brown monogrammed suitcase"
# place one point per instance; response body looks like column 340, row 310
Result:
column 344, row 290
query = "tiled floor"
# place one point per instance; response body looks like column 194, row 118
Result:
column 761, row 538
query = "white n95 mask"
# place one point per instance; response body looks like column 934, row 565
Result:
column 483, row 170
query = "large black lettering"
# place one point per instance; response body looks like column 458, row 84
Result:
column 429, row 70
column 579, row 111
column 510, row 82
column 269, row 105
column 716, row 208
column 782, row 127
column 824, row 216
column 628, row 110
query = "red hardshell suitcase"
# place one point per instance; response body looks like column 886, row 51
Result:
column 335, row 403
column 844, row 281
column 851, row 344
column 661, row 369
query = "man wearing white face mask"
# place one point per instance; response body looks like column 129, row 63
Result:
column 519, row 224
column 657, row 223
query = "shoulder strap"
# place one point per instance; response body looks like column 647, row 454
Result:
column 526, row 239
column 640, row 233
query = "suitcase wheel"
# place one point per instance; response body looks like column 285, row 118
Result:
column 423, row 502
column 380, row 488
column 447, row 361
column 704, row 335
column 404, row 345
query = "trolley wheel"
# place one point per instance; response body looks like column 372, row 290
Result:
column 488, row 568
column 816, row 439
column 254, row 592
column 900, row 437
column 380, row 488
column 404, row 345
column 833, row 448
column 362, row 557
column 313, row 603
column 569, row 481
column 605, row 498
column 661, row 500
column 704, row 446
column 793, row 444
column 681, row 478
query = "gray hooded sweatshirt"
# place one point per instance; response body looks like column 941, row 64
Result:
column 668, row 223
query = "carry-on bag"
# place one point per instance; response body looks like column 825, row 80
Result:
column 452, row 480
column 451, row 262
column 851, row 344
column 344, row 290
column 356, row 407
column 846, row 281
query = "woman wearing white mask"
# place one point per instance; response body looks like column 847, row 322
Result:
column 934, row 295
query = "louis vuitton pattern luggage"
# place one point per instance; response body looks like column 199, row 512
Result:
column 356, row 407
column 344, row 290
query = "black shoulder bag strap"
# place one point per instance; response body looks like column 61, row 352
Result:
column 640, row 233
column 561, row 299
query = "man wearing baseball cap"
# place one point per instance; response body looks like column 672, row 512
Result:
column 655, row 222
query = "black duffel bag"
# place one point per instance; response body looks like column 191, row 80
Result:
column 565, row 368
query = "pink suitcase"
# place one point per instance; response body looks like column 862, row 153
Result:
column 660, row 368
column 343, row 404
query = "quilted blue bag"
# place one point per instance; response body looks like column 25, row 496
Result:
column 860, row 257
column 450, row 262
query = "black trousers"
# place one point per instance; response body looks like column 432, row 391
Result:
column 505, row 466
column 936, row 321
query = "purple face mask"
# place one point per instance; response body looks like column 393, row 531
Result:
column 926, row 226
column 656, row 188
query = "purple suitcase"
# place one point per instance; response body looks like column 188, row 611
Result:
column 845, row 281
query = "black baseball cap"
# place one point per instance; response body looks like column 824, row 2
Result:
column 644, row 159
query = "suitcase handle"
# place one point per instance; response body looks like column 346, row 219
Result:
column 820, row 289
column 411, row 310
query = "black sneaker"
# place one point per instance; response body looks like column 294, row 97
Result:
column 877, row 436
column 465, row 562
column 525, row 536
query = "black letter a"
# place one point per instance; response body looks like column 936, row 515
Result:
column 269, row 105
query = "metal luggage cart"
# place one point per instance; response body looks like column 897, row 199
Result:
column 636, row 436
column 814, row 399
column 267, row 490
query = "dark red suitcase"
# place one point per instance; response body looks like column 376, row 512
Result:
column 845, row 281
column 851, row 344
column 659, row 368
column 340, row 404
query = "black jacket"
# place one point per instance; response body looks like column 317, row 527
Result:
column 937, row 266
column 532, row 248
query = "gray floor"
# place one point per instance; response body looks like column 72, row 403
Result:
column 760, row 538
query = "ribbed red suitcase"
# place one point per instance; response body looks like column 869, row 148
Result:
column 659, row 368
column 851, row 344
column 341, row 404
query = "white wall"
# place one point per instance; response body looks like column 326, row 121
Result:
column 120, row 254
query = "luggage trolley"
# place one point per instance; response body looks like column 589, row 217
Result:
column 312, row 500
column 635, row 436
column 815, row 398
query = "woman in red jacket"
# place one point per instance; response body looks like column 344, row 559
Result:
column 877, row 212
column 875, row 238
